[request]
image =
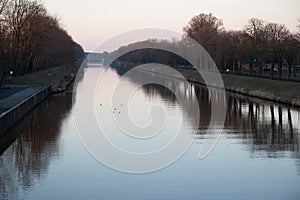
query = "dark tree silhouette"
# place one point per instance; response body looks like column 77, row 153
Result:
column 31, row 39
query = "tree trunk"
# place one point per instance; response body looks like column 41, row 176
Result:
column 260, row 67
column 233, row 68
column 290, row 71
column 294, row 72
column 272, row 68
column 280, row 68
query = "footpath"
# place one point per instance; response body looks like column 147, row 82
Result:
column 13, row 95
column 21, row 88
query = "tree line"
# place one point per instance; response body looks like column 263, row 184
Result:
column 258, row 43
column 31, row 39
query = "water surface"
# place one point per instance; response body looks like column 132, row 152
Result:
column 257, row 156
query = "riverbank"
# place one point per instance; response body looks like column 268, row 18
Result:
column 59, row 78
column 279, row 91
column 23, row 94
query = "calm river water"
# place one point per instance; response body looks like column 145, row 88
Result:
column 256, row 157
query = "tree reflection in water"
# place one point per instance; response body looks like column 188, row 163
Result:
column 268, row 129
column 271, row 127
column 35, row 148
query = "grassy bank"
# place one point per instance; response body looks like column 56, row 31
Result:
column 59, row 79
column 280, row 91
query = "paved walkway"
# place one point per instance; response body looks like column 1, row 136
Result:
column 13, row 95
column 10, row 90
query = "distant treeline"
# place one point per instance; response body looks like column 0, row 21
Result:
column 31, row 39
column 257, row 44
column 149, row 55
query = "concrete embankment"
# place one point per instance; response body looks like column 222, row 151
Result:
column 16, row 106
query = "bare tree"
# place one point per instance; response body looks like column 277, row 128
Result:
column 3, row 5
column 17, row 16
column 255, row 29
column 205, row 29
column 276, row 34
column 31, row 39
column 3, row 40
column 232, row 50
column 291, row 52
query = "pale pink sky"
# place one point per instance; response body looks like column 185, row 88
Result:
column 92, row 22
